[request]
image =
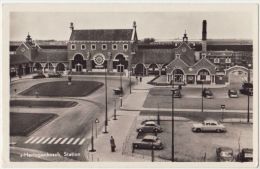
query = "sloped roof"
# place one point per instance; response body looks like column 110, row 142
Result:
column 229, row 42
column 51, row 55
column 18, row 59
column 177, row 64
column 102, row 35
column 204, row 63
column 157, row 56
column 188, row 56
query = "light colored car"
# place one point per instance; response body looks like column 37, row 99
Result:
column 224, row 154
column 232, row 93
column 209, row 126
column 148, row 142
column 149, row 127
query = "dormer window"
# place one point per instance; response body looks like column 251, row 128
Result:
column 177, row 55
column 228, row 60
column 73, row 47
column 216, row 60
column 93, row 47
column 114, row 46
column 125, row 46
column 104, row 47
column 83, row 47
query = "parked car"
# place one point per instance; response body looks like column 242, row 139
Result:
column 149, row 127
column 207, row 93
column 246, row 155
column 39, row 76
column 50, row 75
column 177, row 94
column 209, row 126
column 247, row 89
column 224, row 154
column 148, row 142
column 232, row 93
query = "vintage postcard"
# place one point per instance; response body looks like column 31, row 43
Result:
column 152, row 85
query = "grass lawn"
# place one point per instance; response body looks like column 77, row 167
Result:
column 61, row 88
column 22, row 124
column 43, row 103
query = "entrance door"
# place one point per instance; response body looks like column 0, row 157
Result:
column 78, row 68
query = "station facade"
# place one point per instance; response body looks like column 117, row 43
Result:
column 118, row 50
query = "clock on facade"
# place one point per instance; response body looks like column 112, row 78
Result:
column 23, row 50
column 183, row 49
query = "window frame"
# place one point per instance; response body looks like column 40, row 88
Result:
column 116, row 46
column 103, row 46
column 75, row 47
column 218, row 60
column 125, row 49
column 85, row 46
column 93, row 47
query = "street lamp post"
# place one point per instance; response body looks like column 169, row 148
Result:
column 115, row 109
column 130, row 81
column 96, row 121
column 106, row 118
column 173, row 91
column 222, row 109
column 248, row 95
column 92, row 138
column 202, row 96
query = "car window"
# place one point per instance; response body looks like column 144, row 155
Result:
column 213, row 124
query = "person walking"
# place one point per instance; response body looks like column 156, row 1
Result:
column 112, row 143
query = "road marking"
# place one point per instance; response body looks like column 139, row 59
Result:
column 52, row 140
column 70, row 140
column 82, row 141
column 56, row 142
column 34, row 140
column 30, row 139
column 75, row 142
column 64, row 140
column 40, row 140
column 45, row 141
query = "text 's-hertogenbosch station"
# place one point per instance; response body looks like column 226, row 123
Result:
column 115, row 50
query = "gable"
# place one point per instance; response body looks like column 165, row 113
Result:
column 204, row 63
column 177, row 64
column 186, row 54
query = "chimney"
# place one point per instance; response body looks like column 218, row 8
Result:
column 134, row 25
column 71, row 26
column 204, row 30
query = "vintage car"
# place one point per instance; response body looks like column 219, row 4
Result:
column 209, row 126
column 148, row 142
column 177, row 94
column 224, row 154
column 39, row 76
column 149, row 127
column 232, row 93
column 247, row 89
column 207, row 93
column 51, row 75
column 246, row 155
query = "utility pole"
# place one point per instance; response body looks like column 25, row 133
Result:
column 106, row 118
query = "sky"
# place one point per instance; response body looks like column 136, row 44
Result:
column 158, row 25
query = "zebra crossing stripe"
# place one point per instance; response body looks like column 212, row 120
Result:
column 52, row 140
column 34, row 140
column 75, row 142
column 30, row 139
column 82, row 141
column 40, row 140
column 64, row 140
column 45, row 141
column 70, row 140
column 56, row 142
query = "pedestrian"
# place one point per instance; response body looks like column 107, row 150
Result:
column 140, row 79
column 112, row 143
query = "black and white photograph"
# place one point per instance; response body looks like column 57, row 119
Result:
column 172, row 84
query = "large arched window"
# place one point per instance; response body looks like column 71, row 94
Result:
column 120, row 63
column 78, row 63
column 153, row 69
column 178, row 75
column 203, row 75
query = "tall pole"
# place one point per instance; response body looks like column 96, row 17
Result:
column 106, row 118
column 202, row 96
column 115, row 109
column 248, row 96
column 173, row 119
column 130, row 81
column 121, row 86
column 92, row 138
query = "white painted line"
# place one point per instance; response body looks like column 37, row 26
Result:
column 82, row 141
column 45, row 141
column 70, row 140
column 30, row 139
column 64, row 140
column 75, row 142
column 40, row 140
column 56, row 142
column 34, row 140
column 52, row 140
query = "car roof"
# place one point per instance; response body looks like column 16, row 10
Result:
column 150, row 137
column 211, row 120
column 232, row 90
column 226, row 149
column 149, row 122
column 247, row 150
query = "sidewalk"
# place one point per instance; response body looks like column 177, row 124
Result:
column 115, row 129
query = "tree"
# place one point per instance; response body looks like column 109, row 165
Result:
column 149, row 40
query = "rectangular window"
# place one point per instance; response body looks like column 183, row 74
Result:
column 114, row 46
column 104, row 47
column 93, row 47
column 228, row 60
column 125, row 46
column 83, row 47
column 216, row 60
column 73, row 47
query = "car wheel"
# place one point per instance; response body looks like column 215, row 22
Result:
column 140, row 130
column 198, row 130
column 218, row 131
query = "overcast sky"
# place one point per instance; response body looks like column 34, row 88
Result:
column 159, row 25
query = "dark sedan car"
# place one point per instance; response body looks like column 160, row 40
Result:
column 224, row 154
column 247, row 89
column 246, row 155
column 149, row 127
column 177, row 93
column 232, row 93
column 207, row 93
column 148, row 142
